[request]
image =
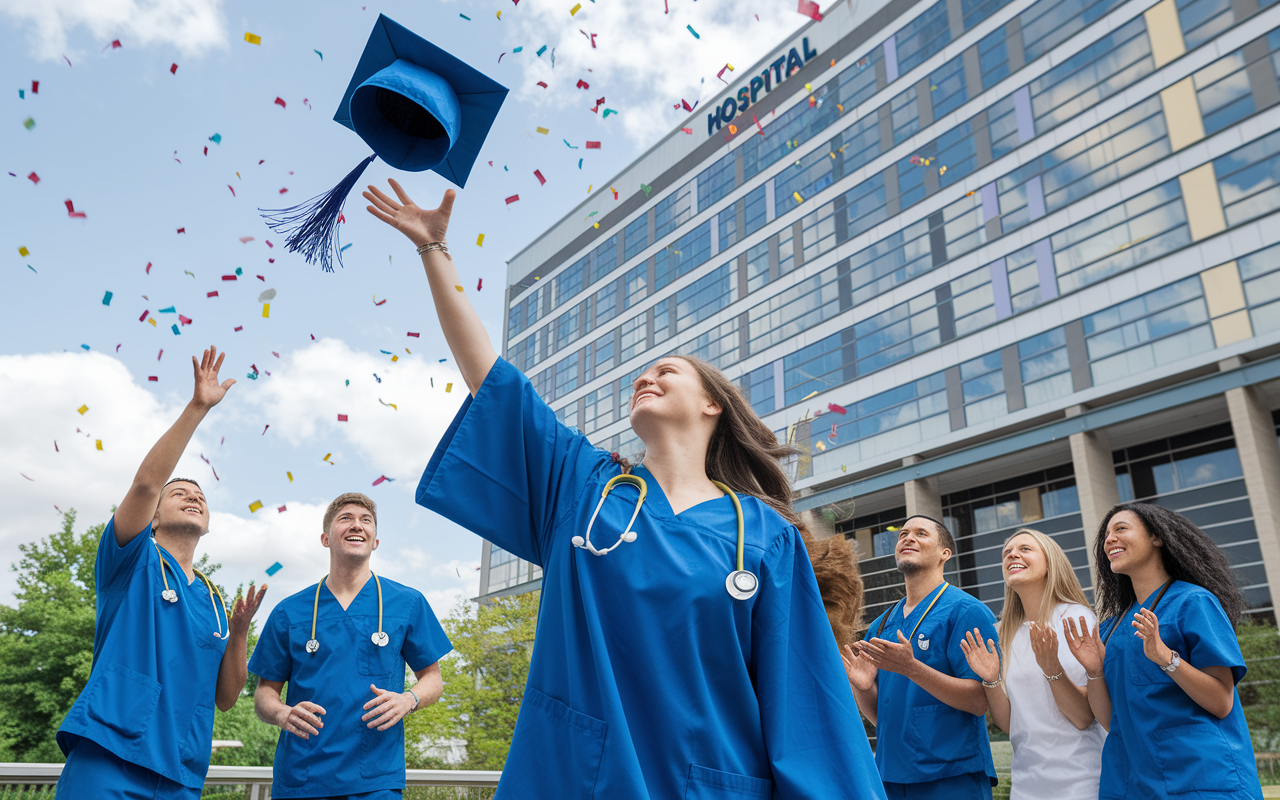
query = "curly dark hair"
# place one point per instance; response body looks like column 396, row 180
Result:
column 1188, row 554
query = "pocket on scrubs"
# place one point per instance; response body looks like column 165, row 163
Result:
column 939, row 734
column 194, row 751
column 554, row 745
column 122, row 699
column 1193, row 757
column 713, row 784
column 1146, row 672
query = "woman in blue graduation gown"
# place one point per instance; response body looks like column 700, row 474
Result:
column 1163, row 664
column 649, row 680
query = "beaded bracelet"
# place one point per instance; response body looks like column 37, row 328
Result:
column 427, row 247
column 1055, row 677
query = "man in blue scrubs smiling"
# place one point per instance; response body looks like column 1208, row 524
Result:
column 912, row 680
column 342, row 645
column 164, row 650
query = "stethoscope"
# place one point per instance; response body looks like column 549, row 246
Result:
column 172, row 596
column 740, row 583
column 379, row 637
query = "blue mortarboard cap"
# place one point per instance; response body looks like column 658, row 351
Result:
column 418, row 108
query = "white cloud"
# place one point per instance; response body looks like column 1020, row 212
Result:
column 644, row 61
column 192, row 26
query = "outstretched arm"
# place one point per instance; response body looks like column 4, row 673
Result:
column 463, row 330
column 234, row 669
column 139, row 505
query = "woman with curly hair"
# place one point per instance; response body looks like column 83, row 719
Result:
column 1164, row 684
column 683, row 646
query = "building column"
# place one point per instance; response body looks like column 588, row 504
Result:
column 923, row 496
column 1095, row 485
column 1255, row 436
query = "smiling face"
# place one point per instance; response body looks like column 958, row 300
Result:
column 1129, row 546
column 182, row 510
column 352, row 534
column 670, row 391
column 1023, row 562
column 919, row 547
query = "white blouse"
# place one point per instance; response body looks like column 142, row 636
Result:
column 1049, row 751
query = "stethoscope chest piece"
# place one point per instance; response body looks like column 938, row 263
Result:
column 312, row 646
column 380, row 638
column 742, row 585
column 170, row 595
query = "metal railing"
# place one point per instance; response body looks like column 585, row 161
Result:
column 254, row 783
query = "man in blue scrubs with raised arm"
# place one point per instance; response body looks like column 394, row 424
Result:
column 164, row 651
column 342, row 645
column 912, row 681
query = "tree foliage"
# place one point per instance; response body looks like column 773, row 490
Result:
column 1260, row 689
column 484, row 680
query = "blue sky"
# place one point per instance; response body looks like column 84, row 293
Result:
column 123, row 138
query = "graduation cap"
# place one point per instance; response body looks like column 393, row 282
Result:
column 418, row 107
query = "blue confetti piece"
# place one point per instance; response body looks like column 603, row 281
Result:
column 176, row 332
column 375, row 375
column 169, row 310
column 443, row 360
column 253, row 376
column 553, row 58
column 22, row 95
column 542, row 50
column 579, row 163
column 691, row 30
column 344, row 248
column 33, row 269
column 517, row 50
column 106, row 299
column 216, row 138
column 317, row 52
column 239, row 271
column 387, row 352
column 276, row 567
column 85, row 346
column 348, row 381
column 570, row 146
column 464, row 16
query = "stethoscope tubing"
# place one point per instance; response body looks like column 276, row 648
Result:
column 379, row 637
column 172, row 596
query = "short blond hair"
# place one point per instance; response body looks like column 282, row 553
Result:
column 350, row 499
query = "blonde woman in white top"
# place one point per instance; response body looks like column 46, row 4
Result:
column 1040, row 700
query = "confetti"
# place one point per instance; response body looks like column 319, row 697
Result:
column 392, row 405
column 479, row 284
column 646, row 189
column 82, row 410
column 326, row 458
column 173, row 70
column 317, row 52
column 98, row 444
column 583, row 84
column 593, row 145
column 267, row 296
column 797, row 196
column 544, row 131
column 33, row 479
column 106, row 299
column 266, row 310
column 24, row 252
column 512, row 199
column 280, row 103
column 254, row 506
column 252, row 38
column 375, row 301
column 691, row 30
column 607, row 112
column 468, row 19
column 538, row 174
column 479, row 243
column 34, row 178
column 809, row 9
column 382, row 478
column 175, row 330
column 71, row 211
column 289, row 475
column 837, row 409
column 448, row 387
column 459, row 288
column 29, row 123
column 276, row 567
column 543, row 84
column 575, row 9
column 541, row 50
column 342, row 418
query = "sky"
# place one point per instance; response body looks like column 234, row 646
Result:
column 169, row 168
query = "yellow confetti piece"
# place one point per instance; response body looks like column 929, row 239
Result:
column 807, row 396
column 252, row 38
column 797, row 196
column 24, row 252
column 596, row 225
column 289, row 475
column 844, row 468
column 98, row 443
column 408, row 351
column 589, row 185
column 575, row 9
column 499, row 15
column 808, row 87
column 459, row 288
column 254, row 506
column 480, row 240
column 544, row 131
column 82, row 409
column 152, row 320
column 266, row 309
column 820, row 445
column 394, row 359
column 448, row 387
column 326, row 458
column 730, row 66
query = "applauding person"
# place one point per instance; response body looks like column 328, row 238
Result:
column 1163, row 664
column 1039, row 700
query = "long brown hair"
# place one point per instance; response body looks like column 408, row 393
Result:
column 1060, row 586
column 745, row 455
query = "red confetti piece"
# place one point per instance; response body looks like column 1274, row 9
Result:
column 377, row 302
column 583, row 84
column 206, row 150
column 115, row 44
column 159, row 354
column 153, row 378
column 233, row 191
column 269, row 244
column 414, row 335
column 239, row 328
column 512, row 199
column 280, row 103
column 35, row 87
column 259, row 277
column 212, row 294
column 71, row 211
column 184, row 320
column 378, row 481
column 264, row 427
column 55, row 446
column 837, row 409
column 543, row 84
column 479, row 284
column 143, row 318
column 228, row 277
column 34, row 178
column 282, row 509
column 810, row 10
column 687, row 130
column 538, row 174
column 282, row 191
column 686, row 105
column 33, row 479
column 593, row 145
column 173, row 70
column 342, row 418
column 182, row 230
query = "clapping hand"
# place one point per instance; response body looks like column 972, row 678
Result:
column 243, row 609
column 1085, row 646
column 1147, row 628
column 983, row 658
column 861, row 672
column 1044, row 643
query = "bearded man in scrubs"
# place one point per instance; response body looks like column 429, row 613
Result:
column 913, row 682
column 342, row 645
column 164, row 651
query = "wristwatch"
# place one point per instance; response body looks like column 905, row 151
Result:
column 1173, row 662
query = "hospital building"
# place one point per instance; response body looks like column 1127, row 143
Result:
column 1005, row 262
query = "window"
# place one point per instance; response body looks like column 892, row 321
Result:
column 568, row 327
column 604, row 259
column 716, row 181
column 1262, row 288
column 682, row 256
column 626, row 388
column 804, row 178
column 756, row 215
column 1101, row 69
column 973, row 302
column 636, row 284
column 786, row 250
column 568, row 282
column 1045, row 369
column 905, row 115
column 1119, row 147
column 1157, row 328
column 567, row 376
column 757, row 266
column 635, row 338
column 504, row 569
column 814, row 368
column 903, row 331
column 893, row 260
column 922, row 37
column 993, row 58
column 1203, row 19
column 818, row 233
column 947, row 90
column 636, row 235
column 568, row 415
column 662, row 321
column 606, row 301
column 885, row 423
column 1223, row 92
column 727, row 222
column 718, row 346
column 1249, row 179
column 525, row 313
column 598, row 408
column 975, row 11
column 982, row 384
column 673, row 210
column 865, row 206
column 793, row 310
column 757, row 385
column 1048, row 23
column 1024, row 278
column 705, row 296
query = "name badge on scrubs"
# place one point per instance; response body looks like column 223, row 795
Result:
column 922, row 642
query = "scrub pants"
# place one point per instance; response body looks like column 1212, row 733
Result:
column 972, row 786
column 93, row 771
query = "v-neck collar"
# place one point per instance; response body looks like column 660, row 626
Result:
column 658, row 497
column 173, row 562
column 338, row 603
column 923, row 604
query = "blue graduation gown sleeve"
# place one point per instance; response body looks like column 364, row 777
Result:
column 506, row 468
column 816, row 744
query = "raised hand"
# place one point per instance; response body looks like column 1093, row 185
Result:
column 861, row 672
column 1147, row 628
column 386, row 708
column 1044, row 643
column 1085, row 646
column 208, row 392
column 244, row 608
column 983, row 659
column 302, row 720
column 897, row 656
column 419, row 224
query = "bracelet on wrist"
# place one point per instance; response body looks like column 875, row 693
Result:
column 1054, row 677
column 427, row 247
column 992, row 684
column 1093, row 678
column 415, row 699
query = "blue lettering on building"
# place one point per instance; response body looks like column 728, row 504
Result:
column 774, row 74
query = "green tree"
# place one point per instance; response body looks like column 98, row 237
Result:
column 46, row 640
column 1260, row 689
column 484, row 680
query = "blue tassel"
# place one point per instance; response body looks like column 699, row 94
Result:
column 313, row 226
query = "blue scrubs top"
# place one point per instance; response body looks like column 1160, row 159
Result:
column 347, row 757
column 919, row 738
column 647, row 679
column 150, row 697
column 1161, row 742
